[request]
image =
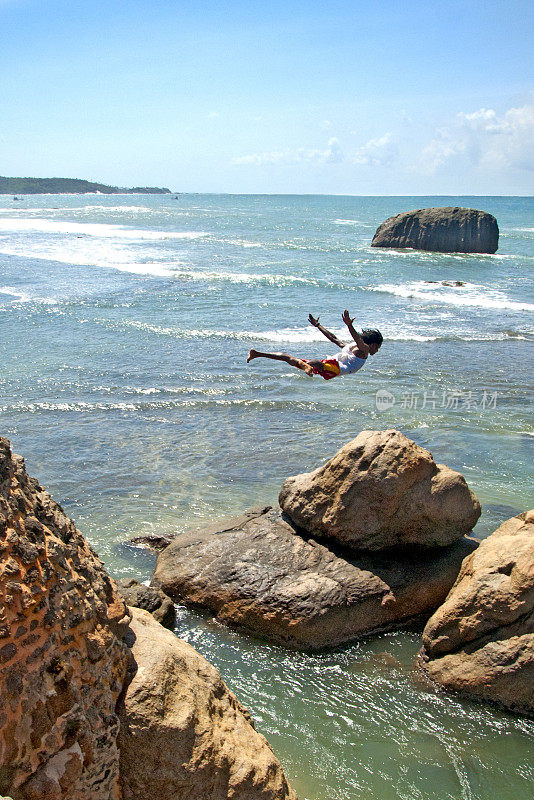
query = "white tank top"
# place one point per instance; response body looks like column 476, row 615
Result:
column 348, row 361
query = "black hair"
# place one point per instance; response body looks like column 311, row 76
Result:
column 372, row 336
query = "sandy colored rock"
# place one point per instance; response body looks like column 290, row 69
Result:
column 379, row 491
column 257, row 572
column 184, row 735
column 444, row 230
column 481, row 640
column 150, row 599
column 62, row 659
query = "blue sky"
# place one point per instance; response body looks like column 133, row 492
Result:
column 335, row 97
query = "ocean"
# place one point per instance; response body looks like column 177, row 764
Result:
column 125, row 322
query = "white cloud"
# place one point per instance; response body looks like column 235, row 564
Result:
column 331, row 155
column 376, row 152
column 485, row 139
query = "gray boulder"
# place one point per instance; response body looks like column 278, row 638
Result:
column 442, row 230
column 258, row 572
column 150, row 542
column 137, row 595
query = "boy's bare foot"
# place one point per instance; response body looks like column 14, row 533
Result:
column 251, row 355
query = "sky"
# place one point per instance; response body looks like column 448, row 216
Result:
column 369, row 97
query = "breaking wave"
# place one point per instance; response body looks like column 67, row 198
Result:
column 467, row 294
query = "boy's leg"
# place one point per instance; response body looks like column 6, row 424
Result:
column 291, row 360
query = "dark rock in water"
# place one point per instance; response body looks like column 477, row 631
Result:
column 442, row 230
column 260, row 572
column 153, row 600
column 152, row 542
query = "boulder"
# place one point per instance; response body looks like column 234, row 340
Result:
column 259, row 572
column 480, row 642
column 184, row 736
column 63, row 663
column 443, row 230
column 151, row 542
column 153, row 600
column 380, row 491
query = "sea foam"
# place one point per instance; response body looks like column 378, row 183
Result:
column 99, row 230
column 469, row 294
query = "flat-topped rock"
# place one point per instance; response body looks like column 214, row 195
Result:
column 256, row 571
column 382, row 490
column 480, row 642
column 443, row 230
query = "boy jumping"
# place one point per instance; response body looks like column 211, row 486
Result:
column 350, row 360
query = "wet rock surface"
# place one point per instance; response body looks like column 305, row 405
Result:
column 152, row 600
column 258, row 571
column 151, row 542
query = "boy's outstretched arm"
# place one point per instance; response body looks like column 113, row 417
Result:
column 329, row 335
column 348, row 320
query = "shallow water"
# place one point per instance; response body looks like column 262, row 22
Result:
column 124, row 327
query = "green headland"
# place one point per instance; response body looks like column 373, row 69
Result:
column 69, row 186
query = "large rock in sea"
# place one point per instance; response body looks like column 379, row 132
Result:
column 442, row 230
column 480, row 642
column 379, row 491
column 62, row 659
column 259, row 572
column 184, row 735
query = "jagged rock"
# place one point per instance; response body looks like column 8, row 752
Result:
column 443, row 230
column 150, row 599
column 184, row 735
column 62, row 659
column 257, row 572
column 379, row 491
column 151, row 542
column 480, row 642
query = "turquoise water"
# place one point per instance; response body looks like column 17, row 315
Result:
column 124, row 326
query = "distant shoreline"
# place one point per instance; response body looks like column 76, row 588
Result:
column 70, row 186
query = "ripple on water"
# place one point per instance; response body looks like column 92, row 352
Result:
column 361, row 723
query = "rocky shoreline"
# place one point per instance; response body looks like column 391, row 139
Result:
column 101, row 702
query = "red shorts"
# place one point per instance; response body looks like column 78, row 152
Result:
column 327, row 368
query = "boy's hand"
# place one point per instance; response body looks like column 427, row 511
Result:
column 347, row 319
column 313, row 321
